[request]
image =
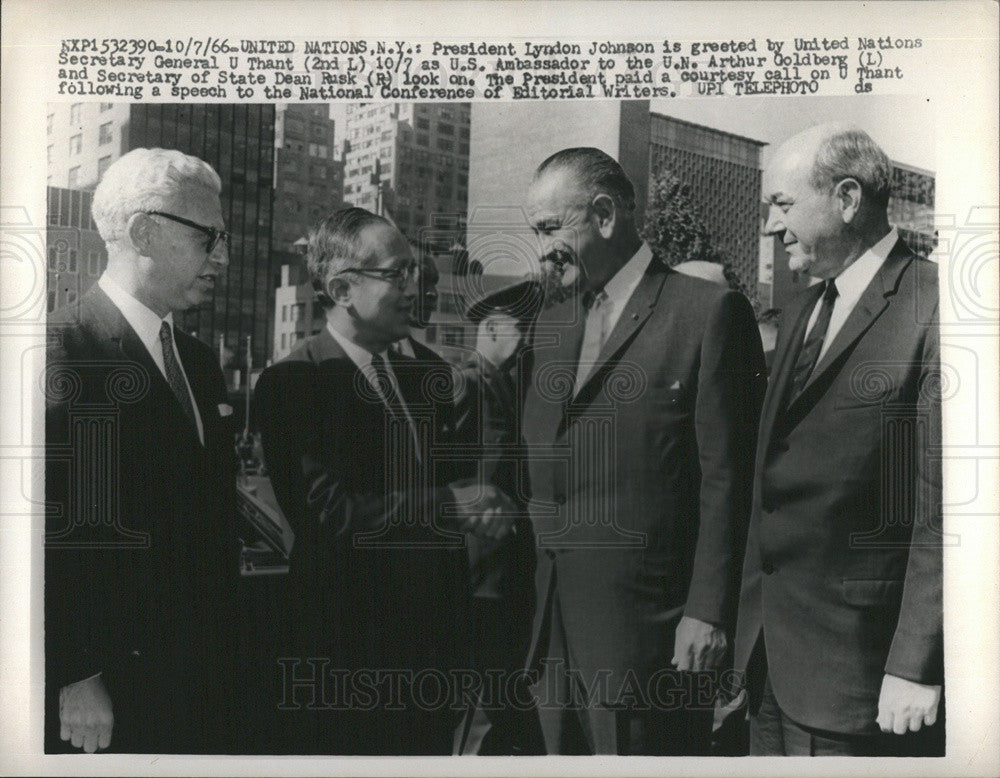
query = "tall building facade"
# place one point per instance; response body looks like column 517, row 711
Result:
column 308, row 179
column 82, row 140
column 410, row 161
column 723, row 172
column 297, row 313
column 76, row 252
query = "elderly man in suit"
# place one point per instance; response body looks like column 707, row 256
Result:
column 639, row 421
column 840, row 612
column 358, row 440
column 140, row 547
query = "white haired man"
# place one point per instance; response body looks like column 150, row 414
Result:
column 140, row 556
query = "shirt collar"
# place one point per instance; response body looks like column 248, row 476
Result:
column 140, row 318
column 624, row 282
column 360, row 356
column 856, row 277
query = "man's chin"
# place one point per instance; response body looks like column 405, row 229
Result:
column 799, row 264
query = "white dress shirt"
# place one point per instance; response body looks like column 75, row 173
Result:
column 147, row 324
column 851, row 284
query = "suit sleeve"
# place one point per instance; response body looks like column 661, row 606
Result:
column 311, row 486
column 916, row 653
column 730, row 377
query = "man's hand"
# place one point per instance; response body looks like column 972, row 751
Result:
column 85, row 714
column 698, row 645
column 484, row 510
column 906, row 705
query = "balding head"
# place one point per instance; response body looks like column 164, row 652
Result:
column 828, row 188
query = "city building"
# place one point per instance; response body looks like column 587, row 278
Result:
column 82, row 140
column 723, row 173
column 297, row 313
column 238, row 141
column 76, row 252
column 410, row 161
column 308, row 180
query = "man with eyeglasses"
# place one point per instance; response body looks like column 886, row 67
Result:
column 358, row 441
column 141, row 554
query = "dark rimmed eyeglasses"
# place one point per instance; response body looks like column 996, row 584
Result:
column 400, row 277
column 214, row 235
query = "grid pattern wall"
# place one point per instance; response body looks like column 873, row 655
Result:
column 238, row 141
column 727, row 195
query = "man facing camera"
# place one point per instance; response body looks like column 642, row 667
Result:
column 356, row 439
column 639, row 421
column 141, row 551
column 840, row 612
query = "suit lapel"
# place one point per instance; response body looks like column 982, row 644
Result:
column 872, row 303
column 786, row 352
column 637, row 310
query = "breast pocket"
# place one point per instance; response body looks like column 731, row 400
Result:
column 873, row 593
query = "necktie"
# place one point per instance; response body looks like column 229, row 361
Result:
column 391, row 396
column 175, row 375
column 813, row 343
column 593, row 335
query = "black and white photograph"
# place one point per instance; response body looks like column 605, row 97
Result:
column 512, row 397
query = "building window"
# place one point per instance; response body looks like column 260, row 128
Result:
column 446, row 129
column 75, row 144
column 445, row 145
column 73, row 177
column 72, row 261
column 421, row 139
column 284, row 317
column 75, row 113
column 53, row 262
column 103, row 164
column 52, row 301
column 93, row 263
column 48, row 123
column 284, row 339
column 105, row 134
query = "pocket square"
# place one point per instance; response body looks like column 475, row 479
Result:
column 676, row 386
column 225, row 409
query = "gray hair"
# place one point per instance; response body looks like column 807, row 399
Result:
column 597, row 173
column 146, row 180
column 851, row 153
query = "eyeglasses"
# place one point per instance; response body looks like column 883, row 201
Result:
column 214, row 235
column 400, row 277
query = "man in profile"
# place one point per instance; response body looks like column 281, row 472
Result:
column 639, row 420
column 840, row 619
column 140, row 547
column 352, row 432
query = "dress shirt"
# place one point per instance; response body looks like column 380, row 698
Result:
column 362, row 357
column 147, row 324
column 851, row 284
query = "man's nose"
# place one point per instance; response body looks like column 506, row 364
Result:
column 774, row 225
column 220, row 254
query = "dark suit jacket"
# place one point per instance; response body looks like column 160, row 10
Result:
column 141, row 551
column 843, row 567
column 376, row 581
column 640, row 484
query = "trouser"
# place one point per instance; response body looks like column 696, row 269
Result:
column 772, row 733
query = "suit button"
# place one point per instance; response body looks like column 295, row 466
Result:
column 768, row 568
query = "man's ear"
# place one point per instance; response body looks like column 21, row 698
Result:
column 139, row 232
column 339, row 290
column 604, row 210
column 848, row 193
